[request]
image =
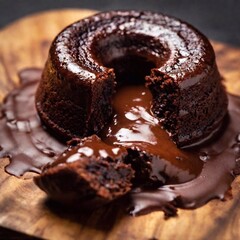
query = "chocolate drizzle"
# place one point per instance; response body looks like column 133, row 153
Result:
column 195, row 175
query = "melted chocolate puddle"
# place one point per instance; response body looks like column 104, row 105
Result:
column 22, row 138
column 196, row 175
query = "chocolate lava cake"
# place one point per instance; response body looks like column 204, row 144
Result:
column 88, row 62
column 90, row 58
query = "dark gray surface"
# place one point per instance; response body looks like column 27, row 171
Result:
column 218, row 19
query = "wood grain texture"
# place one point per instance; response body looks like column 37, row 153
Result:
column 23, row 207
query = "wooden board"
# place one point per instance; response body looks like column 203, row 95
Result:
column 25, row 43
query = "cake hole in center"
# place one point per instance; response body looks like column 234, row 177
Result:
column 131, row 69
column 131, row 57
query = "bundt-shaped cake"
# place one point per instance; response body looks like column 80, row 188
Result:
column 89, row 58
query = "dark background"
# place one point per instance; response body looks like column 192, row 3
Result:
column 218, row 19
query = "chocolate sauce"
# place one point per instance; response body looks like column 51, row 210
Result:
column 196, row 175
column 134, row 125
column 23, row 139
column 89, row 147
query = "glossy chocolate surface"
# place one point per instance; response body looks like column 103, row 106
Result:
column 23, row 139
column 176, row 47
column 133, row 125
column 89, row 147
column 209, row 170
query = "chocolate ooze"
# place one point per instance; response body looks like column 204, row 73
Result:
column 124, row 149
column 178, row 173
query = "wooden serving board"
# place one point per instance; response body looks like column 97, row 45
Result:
column 25, row 43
